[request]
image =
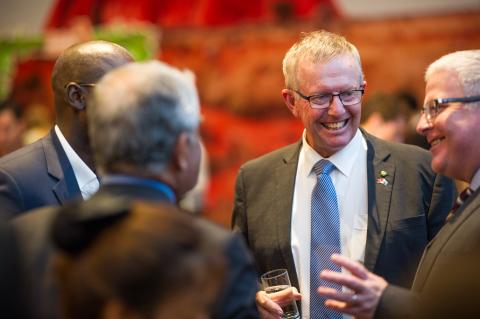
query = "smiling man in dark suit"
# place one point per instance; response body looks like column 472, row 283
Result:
column 59, row 167
column 450, row 122
column 378, row 202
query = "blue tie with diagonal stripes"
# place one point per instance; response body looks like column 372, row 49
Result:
column 325, row 238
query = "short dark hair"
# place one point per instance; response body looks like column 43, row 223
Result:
column 138, row 254
column 389, row 106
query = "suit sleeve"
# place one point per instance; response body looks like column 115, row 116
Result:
column 11, row 202
column 443, row 197
column 239, row 217
column 238, row 297
column 396, row 303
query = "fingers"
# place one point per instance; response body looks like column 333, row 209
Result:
column 342, row 279
column 267, row 307
column 356, row 268
column 343, row 307
column 267, row 315
column 345, row 297
column 296, row 294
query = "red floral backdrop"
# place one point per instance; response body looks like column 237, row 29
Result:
column 238, row 65
column 167, row 13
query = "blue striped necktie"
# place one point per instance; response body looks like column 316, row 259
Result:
column 325, row 238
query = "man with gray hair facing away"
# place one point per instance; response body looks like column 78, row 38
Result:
column 450, row 122
column 143, row 126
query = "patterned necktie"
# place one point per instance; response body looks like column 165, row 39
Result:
column 461, row 198
column 325, row 238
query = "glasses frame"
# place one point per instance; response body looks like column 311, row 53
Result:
column 332, row 95
column 432, row 108
column 80, row 84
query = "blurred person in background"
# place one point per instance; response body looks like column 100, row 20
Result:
column 59, row 167
column 386, row 116
column 135, row 260
column 412, row 136
column 12, row 127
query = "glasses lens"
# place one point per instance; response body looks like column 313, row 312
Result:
column 430, row 110
column 351, row 97
column 320, row 101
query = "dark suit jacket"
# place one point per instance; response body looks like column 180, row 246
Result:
column 459, row 238
column 237, row 298
column 14, row 302
column 403, row 216
column 36, row 175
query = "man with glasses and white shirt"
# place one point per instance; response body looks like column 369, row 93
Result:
column 59, row 167
column 337, row 190
column 450, row 122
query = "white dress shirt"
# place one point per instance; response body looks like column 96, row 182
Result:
column 350, row 180
column 475, row 183
column 86, row 178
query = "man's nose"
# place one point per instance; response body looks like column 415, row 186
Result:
column 423, row 124
column 336, row 106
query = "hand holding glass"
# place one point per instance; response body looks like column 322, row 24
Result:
column 277, row 282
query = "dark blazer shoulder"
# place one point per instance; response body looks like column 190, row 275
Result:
column 237, row 297
column 23, row 157
column 282, row 155
column 400, row 151
column 407, row 158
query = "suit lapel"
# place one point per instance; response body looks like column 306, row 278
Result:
column 434, row 247
column 379, row 195
column 60, row 169
column 285, row 174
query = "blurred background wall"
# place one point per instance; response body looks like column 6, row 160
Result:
column 235, row 48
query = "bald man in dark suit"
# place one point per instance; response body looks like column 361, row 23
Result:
column 59, row 167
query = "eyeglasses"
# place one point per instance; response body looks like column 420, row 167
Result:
column 433, row 107
column 323, row 101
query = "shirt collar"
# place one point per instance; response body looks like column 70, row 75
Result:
column 343, row 159
column 117, row 179
column 83, row 173
column 475, row 181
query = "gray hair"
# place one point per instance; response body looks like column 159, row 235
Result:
column 316, row 46
column 136, row 113
column 466, row 64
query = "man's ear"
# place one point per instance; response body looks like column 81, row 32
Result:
column 364, row 84
column 181, row 151
column 76, row 96
column 289, row 100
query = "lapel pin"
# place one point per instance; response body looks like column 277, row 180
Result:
column 382, row 180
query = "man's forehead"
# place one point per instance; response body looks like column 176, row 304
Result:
column 444, row 82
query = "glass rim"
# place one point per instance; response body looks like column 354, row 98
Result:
column 275, row 273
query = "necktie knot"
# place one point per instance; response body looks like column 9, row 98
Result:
column 323, row 166
column 461, row 198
